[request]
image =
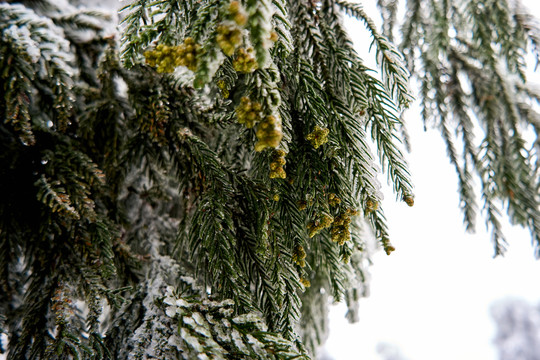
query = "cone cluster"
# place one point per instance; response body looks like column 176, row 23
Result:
column 387, row 246
column 323, row 221
column 371, row 205
column 237, row 13
column 245, row 61
column 269, row 133
column 305, row 282
column 409, row 200
column 249, row 112
column 341, row 232
column 333, row 200
column 277, row 163
column 318, row 137
column 222, row 85
column 229, row 37
column 299, row 255
column 166, row 58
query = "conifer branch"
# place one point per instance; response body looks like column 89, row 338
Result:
column 199, row 192
column 380, row 112
column 395, row 74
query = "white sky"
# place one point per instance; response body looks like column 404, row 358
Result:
column 431, row 297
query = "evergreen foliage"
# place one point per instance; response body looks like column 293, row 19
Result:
column 201, row 184
column 470, row 56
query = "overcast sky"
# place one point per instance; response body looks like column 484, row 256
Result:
column 431, row 297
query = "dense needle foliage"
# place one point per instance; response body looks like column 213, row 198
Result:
column 202, row 182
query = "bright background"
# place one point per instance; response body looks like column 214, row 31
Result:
column 431, row 297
